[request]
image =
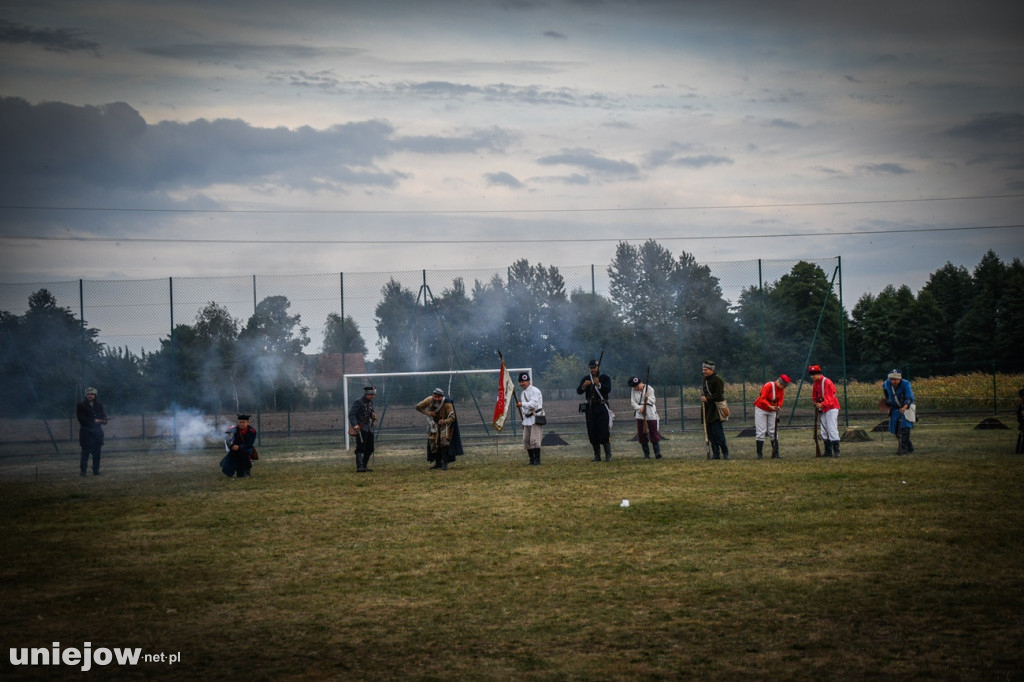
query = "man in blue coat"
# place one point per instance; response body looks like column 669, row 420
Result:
column 899, row 398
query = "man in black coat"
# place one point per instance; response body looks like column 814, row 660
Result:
column 240, row 442
column 361, row 420
column 91, row 418
column 712, row 393
column 597, row 386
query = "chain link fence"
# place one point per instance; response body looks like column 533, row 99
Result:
column 167, row 375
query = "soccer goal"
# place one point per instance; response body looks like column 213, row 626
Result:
column 474, row 392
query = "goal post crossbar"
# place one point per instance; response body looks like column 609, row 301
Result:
column 370, row 375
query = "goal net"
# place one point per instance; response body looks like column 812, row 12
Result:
column 473, row 391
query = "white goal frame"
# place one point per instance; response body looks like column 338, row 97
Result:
column 369, row 375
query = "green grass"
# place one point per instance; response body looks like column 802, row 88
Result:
column 866, row 566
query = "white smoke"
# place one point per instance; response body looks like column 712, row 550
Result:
column 194, row 429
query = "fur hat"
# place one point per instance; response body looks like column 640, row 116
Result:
column 708, row 364
column 370, row 390
column 895, row 374
column 438, row 391
column 91, row 391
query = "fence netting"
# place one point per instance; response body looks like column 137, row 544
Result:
column 180, row 357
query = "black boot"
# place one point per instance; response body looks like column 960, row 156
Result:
column 657, row 449
column 647, row 450
column 828, row 449
column 597, row 453
column 360, row 466
column 607, row 451
column 536, row 456
column 760, row 449
column 443, row 455
column 835, row 448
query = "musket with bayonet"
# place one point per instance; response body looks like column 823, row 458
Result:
column 643, row 400
column 594, row 384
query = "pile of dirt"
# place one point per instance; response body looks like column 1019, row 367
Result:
column 552, row 438
column 855, row 435
column 991, row 424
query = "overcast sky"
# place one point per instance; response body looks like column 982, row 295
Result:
column 330, row 136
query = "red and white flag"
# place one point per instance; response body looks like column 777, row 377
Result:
column 506, row 389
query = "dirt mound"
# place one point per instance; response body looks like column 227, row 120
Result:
column 990, row 423
column 552, row 438
column 855, row 435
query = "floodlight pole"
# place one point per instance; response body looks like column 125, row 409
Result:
column 814, row 338
column 425, row 292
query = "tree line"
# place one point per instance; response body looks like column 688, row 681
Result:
column 663, row 314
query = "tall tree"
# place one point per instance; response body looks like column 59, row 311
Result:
column 535, row 303
column 977, row 329
column 399, row 330
column 342, row 335
column 883, row 330
column 271, row 345
column 1010, row 333
column 200, row 365
column 47, row 352
column 674, row 309
column 950, row 287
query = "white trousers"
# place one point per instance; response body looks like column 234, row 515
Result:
column 764, row 423
column 532, row 436
column 829, row 425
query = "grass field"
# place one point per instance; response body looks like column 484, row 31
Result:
column 869, row 566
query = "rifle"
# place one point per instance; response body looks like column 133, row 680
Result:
column 817, row 432
column 775, row 431
column 704, row 418
column 599, row 359
column 643, row 400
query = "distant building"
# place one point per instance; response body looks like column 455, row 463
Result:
column 327, row 370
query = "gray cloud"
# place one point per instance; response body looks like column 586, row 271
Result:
column 701, row 160
column 681, row 156
column 52, row 39
column 244, row 52
column 54, row 150
column 555, row 34
column 494, row 139
column 329, row 82
column 783, row 123
column 884, row 169
column 587, row 159
column 992, row 127
column 502, row 180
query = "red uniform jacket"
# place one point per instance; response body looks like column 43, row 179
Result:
column 825, row 392
column 771, row 397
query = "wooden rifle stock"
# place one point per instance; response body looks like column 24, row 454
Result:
column 817, row 432
column 643, row 400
